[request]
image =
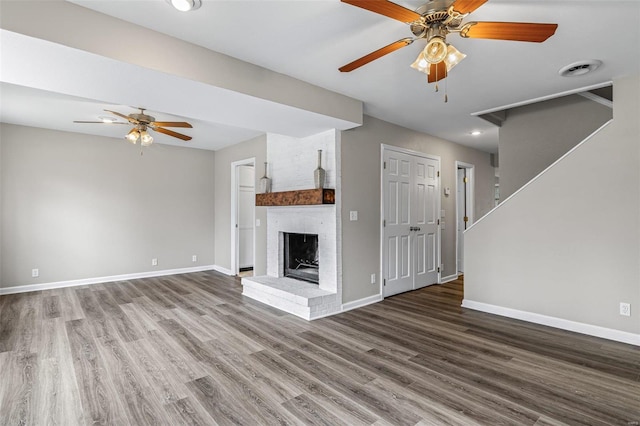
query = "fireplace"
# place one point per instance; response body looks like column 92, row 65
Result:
column 301, row 260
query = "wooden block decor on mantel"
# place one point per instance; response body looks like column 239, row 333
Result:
column 303, row 197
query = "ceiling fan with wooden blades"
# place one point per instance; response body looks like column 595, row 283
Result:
column 141, row 124
column 433, row 22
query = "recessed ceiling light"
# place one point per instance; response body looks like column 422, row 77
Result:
column 579, row 68
column 476, row 133
column 185, row 5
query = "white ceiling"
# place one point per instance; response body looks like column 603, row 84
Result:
column 309, row 40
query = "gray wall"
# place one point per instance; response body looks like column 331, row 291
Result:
column 257, row 148
column 361, row 192
column 78, row 206
column 568, row 245
column 526, row 148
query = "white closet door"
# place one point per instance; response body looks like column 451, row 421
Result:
column 411, row 221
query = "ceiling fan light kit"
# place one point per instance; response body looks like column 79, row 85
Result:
column 433, row 22
column 133, row 136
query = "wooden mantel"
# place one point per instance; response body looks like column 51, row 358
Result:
column 304, row 197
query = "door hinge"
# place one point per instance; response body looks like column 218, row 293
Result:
column 384, row 282
column 384, row 164
column 438, row 269
column 438, row 173
column 465, row 179
column 438, row 221
column 466, row 219
column 384, row 223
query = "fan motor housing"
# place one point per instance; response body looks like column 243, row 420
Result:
column 435, row 14
column 143, row 118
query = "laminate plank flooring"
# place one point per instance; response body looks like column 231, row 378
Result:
column 191, row 350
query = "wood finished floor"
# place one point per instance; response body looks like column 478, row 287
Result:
column 190, row 349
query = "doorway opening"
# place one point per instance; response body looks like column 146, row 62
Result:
column 243, row 217
column 464, row 208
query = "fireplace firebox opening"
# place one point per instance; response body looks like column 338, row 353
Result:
column 301, row 260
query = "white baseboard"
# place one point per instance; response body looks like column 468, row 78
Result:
column 449, row 278
column 578, row 327
column 98, row 280
column 361, row 302
column 222, row 270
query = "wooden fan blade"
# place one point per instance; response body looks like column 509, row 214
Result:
column 386, row 8
column 172, row 124
column 172, row 133
column 515, row 31
column 375, row 55
column 437, row 72
column 103, row 122
column 467, row 6
column 126, row 117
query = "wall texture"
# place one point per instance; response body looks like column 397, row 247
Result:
column 526, row 148
column 361, row 191
column 567, row 245
column 77, row 206
column 257, row 148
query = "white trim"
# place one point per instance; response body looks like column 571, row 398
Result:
column 314, row 316
column 361, row 302
column 235, row 245
column 383, row 275
column 222, row 270
column 470, row 199
column 449, row 278
column 578, row 327
column 541, row 173
column 544, row 98
column 100, row 280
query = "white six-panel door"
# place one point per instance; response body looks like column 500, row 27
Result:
column 410, row 233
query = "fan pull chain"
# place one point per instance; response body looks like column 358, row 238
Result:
column 446, row 98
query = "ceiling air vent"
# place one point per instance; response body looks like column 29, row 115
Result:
column 579, row 68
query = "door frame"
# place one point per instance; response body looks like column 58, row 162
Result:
column 233, row 219
column 384, row 147
column 469, row 199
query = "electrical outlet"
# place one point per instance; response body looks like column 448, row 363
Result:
column 194, row 258
column 373, row 278
column 35, row 273
column 257, row 222
column 625, row 309
column 353, row 215
column 154, row 262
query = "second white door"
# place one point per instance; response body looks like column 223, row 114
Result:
column 410, row 197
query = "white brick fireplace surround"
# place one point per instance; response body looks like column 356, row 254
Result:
column 292, row 162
